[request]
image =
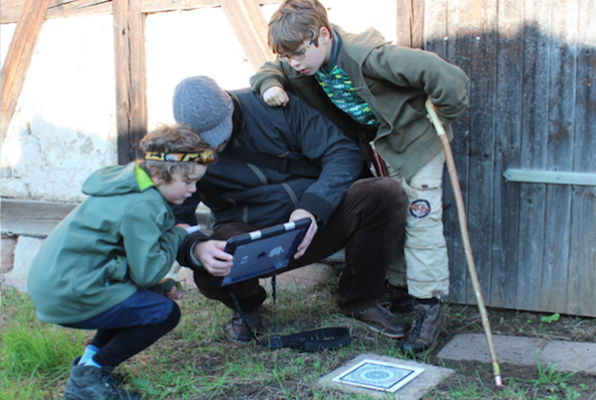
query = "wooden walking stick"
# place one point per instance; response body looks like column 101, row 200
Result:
column 461, row 213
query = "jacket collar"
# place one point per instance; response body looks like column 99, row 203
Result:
column 237, row 117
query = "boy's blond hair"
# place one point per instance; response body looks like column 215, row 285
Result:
column 179, row 138
column 294, row 22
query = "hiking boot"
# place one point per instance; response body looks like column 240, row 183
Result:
column 236, row 330
column 400, row 300
column 379, row 319
column 428, row 323
column 87, row 382
column 120, row 378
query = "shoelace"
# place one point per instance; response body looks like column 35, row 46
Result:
column 417, row 323
column 109, row 381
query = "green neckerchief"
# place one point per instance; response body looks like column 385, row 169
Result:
column 143, row 179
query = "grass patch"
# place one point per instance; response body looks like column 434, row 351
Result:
column 194, row 361
column 33, row 355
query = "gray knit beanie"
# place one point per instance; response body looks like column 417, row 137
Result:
column 200, row 103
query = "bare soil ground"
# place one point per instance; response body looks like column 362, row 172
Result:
column 464, row 319
column 315, row 307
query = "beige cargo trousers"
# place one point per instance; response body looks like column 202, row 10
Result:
column 421, row 260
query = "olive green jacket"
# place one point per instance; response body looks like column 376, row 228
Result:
column 395, row 82
column 120, row 239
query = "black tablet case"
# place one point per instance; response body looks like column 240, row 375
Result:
column 260, row 253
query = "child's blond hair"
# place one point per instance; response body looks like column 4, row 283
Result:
column 179, row 138
column 294, row 22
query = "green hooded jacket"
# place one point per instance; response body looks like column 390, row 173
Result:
column 118, row 240
column 395, row 82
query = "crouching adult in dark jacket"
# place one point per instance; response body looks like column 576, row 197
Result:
column 279, row 164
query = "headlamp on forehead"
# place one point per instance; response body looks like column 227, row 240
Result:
column 205, row 157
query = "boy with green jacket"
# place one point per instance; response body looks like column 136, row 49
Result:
column 102, row 267
column 375, row 92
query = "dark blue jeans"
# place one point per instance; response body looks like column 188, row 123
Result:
column 131, row 326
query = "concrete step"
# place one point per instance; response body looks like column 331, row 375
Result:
column 565, row 355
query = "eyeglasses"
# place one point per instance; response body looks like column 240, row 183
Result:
column 299, row 55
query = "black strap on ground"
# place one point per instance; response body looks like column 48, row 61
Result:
column 308, row 341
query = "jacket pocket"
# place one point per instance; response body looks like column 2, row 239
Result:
column 116, row 270
column 408, row 115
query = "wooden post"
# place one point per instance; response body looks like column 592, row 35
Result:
column 250, row 28
column 131, row 103
column 19, row 58
column 410, row 23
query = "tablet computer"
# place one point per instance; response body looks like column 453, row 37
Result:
column 260, row 253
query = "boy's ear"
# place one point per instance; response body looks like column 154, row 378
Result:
column 156, row 177
column 324, row 35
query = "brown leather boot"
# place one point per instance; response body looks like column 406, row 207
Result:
column 426, row 327
column 236, row 330
column 379, row 319
column 399, row 298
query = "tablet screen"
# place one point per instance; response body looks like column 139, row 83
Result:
column 261, row 253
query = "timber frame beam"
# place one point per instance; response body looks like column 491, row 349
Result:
column 19, row 58
column 131, row 86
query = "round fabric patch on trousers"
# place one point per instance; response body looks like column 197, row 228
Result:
column 420, row 208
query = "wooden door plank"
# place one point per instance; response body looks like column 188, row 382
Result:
column 410, row 23
column 581, row 296
column 532, row 204
column 131, row 102
column 435, row 27
column 250, row 28
column 19, row 58
column 561, row 103
column 507, row 154
column 457, row 50
column 480, row 206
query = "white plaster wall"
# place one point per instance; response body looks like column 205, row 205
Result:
column 64, row 126
column 202, row 42
column 355, row 16
column 189, row 43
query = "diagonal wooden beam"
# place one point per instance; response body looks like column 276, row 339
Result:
column 131, row 103
column 250, row 28
column 18, row 59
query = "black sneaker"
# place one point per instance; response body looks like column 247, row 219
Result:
column 379, row 319
column 399, row 298
column 428, row 323
column 236, row 330
column 87, row 382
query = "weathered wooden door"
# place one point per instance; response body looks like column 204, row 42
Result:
column 532, row 69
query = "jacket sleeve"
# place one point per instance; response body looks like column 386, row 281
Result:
column 269, row 74
column 406, row 67
column 325, row 145
column 151, row 242
column 185, row 255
